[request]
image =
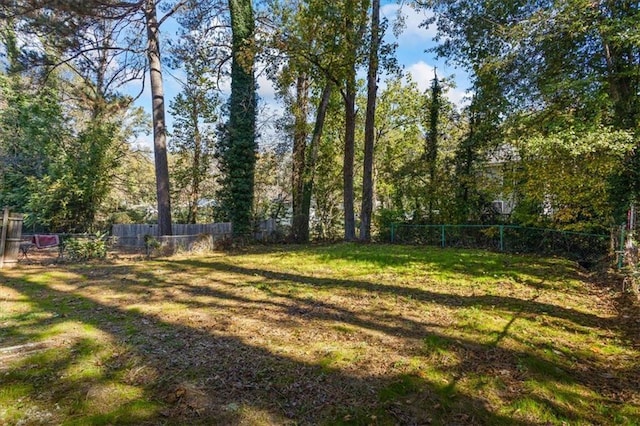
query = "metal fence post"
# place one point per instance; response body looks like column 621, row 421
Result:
column 443, row 236
column 501, row 237
column 393, row 232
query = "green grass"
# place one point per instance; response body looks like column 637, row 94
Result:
column 342, row 334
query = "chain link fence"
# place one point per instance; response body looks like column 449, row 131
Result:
column 583, row 247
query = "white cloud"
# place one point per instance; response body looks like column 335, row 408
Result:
column 422, row 74
column 265, row 88
column 458, row 97
column 224, row 85
column 413, row 33
column 143, row 142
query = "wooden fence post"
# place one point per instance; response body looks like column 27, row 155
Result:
column 3, row 236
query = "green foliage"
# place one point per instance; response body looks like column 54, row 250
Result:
column 399, row 124
column 195, row 114
column 62, row 142
column 271, row 185
column 327, row 220
column 237, row 148
column 482, row 137
column 151, row 244
column 383, row 220
column 67, row 190
column 31, row 127
column 564, row 179
column 86, row 248
column 554, row 68
column 192, row 143
column 409, row 178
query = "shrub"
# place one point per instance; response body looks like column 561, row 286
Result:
column 86, row 248
column 383, row 220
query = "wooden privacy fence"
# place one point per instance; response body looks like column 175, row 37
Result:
column 10, row 238
column 133, row 235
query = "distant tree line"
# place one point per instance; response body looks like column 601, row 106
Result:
column 551, row 127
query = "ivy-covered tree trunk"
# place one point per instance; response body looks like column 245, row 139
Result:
column 300, row 226
column 239, row 155
column 431, row 149
column 369, row 125
column 159, row 123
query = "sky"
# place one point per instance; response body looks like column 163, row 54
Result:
column 411, row 53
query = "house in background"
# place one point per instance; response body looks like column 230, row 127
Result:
column 500, row 162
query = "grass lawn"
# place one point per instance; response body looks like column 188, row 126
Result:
column 343, row 334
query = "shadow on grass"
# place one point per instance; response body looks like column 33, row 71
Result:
column 445, row 299
column 210, row 379
column 467, row 262
column 206, row 377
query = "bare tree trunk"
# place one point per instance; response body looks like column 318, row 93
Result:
column 195, row 167
column 159, row 124
column 349, row 148
column 300, row 221
column 310, row 168
column 369, row 125
column 353, row 37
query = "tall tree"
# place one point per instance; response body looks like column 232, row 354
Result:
column 238, row 145
column 552, row 61
column 300, row 223
column 431, row 148
column 296, row 28
column 193, row 142
column 311, row 159
column 398, row 145
column 354, row 27
column 335, row 51
column 483, row 135
column 68, row 21
column 158, row 114
column 369, row 126
column 195, row 110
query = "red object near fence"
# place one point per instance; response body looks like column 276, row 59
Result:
column 45, row 241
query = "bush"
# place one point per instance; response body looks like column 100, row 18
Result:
column 151, row 244
column 86, row 248
column 383, row 220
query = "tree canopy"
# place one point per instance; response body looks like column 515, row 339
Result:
column 551, row 128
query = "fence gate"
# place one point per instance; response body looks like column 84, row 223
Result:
column 10, row 238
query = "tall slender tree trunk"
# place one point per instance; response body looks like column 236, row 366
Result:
column 348, row 161
column 310, row 169
column 431, row 148
column 464, row 166
column 159, row 124
column 349, row 96
column 369, row 125
column 192, row 217
column 301, row 111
